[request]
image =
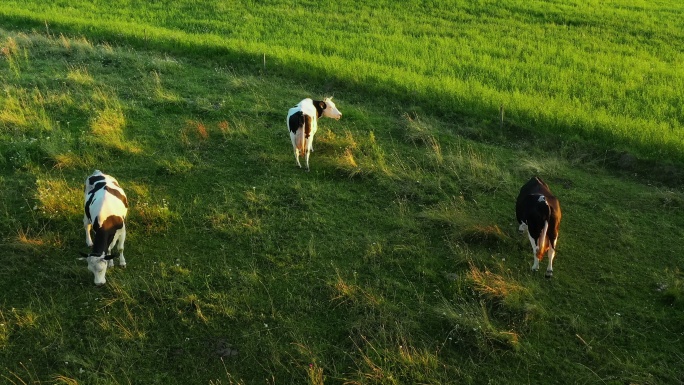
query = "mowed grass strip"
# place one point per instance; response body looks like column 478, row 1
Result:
column 604, row 73
column 395, row 260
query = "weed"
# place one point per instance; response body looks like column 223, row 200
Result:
column 671, row 288
column 473, row 329
column 80, row 75
column 417, row 130
column 503, row 294
column 13, row 54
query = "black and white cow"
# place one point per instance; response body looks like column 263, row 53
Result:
column 539, row 213
column 105, row 209
column 302, row 122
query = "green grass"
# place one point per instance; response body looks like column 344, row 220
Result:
column 606, row 73
column 396, row 260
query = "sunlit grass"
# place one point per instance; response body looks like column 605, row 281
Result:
column 600, row 72
column 395, row 260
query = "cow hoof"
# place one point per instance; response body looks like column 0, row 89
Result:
column 123, row 266
column 549, row 274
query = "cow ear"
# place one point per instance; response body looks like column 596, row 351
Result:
column 322, row 104
column 83, row 257
column 108, row 257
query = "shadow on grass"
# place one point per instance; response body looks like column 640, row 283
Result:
column 627, row 155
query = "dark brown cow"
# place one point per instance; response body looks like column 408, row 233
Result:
column 538, row 211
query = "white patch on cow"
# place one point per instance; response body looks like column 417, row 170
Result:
column 541, row 199
column 88, row 226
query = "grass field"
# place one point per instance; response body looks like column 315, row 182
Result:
column 608, row 73
column 396, row 260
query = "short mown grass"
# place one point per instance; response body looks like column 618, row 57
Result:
column 396, row 260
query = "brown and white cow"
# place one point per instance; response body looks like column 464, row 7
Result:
column 105, row 209
column 539, row 213
column 302, row 122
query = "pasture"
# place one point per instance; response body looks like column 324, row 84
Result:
column 396, row 260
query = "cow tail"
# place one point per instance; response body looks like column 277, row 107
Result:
column 307, row 131
column 300, row 140
column 542, row 242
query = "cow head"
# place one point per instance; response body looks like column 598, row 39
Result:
column 97, row 264
column 330, row 110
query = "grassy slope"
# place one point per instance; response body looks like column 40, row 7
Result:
column 394, row 261
column 605, row 73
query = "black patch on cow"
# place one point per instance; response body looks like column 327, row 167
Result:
column 91, row 197
column 104, row 234
column 320, row 107
column 93, row 179
column 534, row 213
column 85, row 208
column 119, row 195
column 97, row 186
column 296, row 121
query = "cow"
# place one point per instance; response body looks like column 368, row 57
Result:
column 105, row 210
column 302, row 122
column 539, row 213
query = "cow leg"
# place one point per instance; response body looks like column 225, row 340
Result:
column 88, row 226
column 297, row 158
column 549, row 268
column 120, row 246
column 535, row 248
column 110, row 262
column 308, row 152
column 551, row 254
